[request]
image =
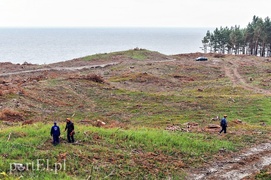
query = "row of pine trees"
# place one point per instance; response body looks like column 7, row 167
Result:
column 255, row 39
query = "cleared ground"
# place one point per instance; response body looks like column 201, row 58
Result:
column 160, row 114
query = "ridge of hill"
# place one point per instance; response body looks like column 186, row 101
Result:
column 137, row 113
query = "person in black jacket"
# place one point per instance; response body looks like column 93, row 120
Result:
column 55, row 132
column 70, row 130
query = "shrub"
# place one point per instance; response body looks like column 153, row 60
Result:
column 94, row 78
column 219, row 55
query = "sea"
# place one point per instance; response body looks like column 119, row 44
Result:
column 50, row 45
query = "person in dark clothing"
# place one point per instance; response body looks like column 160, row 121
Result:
column 70, row 130
column 223, row 124
column 55, row 132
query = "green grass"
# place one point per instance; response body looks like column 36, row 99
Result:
column 141, row 54
column 30, row 143
column 154, row 108
column 96, row 56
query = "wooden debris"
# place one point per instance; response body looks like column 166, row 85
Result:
column 100, row 123
column 173, row 128
column 9, row 136
column 215, row 118
column 213, row 126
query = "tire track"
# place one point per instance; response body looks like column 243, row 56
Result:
column 237, row 80
column 237, row 167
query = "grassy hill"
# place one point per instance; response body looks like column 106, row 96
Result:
column 159, row 112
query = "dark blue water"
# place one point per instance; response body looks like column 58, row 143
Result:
column 44, row 46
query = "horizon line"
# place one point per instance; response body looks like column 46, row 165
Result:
column 92, row 27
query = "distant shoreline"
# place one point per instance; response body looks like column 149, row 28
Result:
column 50, row 45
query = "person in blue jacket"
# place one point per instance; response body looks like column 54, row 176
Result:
column 223, row 124
column 55, row 132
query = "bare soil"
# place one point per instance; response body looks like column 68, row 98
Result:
column 15, row 77
column 240, row 165
column 231, row 70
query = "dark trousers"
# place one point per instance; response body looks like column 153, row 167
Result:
column 224, row 128
column 70, row 137
column 55, row 139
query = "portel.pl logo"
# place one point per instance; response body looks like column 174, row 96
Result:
column 38, row 165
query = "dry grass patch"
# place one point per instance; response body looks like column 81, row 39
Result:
column 11, row 115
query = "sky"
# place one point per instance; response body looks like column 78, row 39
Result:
column 131, row 13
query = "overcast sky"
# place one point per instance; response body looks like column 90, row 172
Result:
column 131, row 13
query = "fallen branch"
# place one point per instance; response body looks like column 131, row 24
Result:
column 79, row 144
column 111, row 174
column 9, row 136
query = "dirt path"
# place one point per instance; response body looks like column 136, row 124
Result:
column 74, row 68
column 60, row 69
column 231, row 70
column 237, row 167
column 244, row 163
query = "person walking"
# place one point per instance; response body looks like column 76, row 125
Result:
column 70, row 130
column 55, row 132
column 223, row 124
